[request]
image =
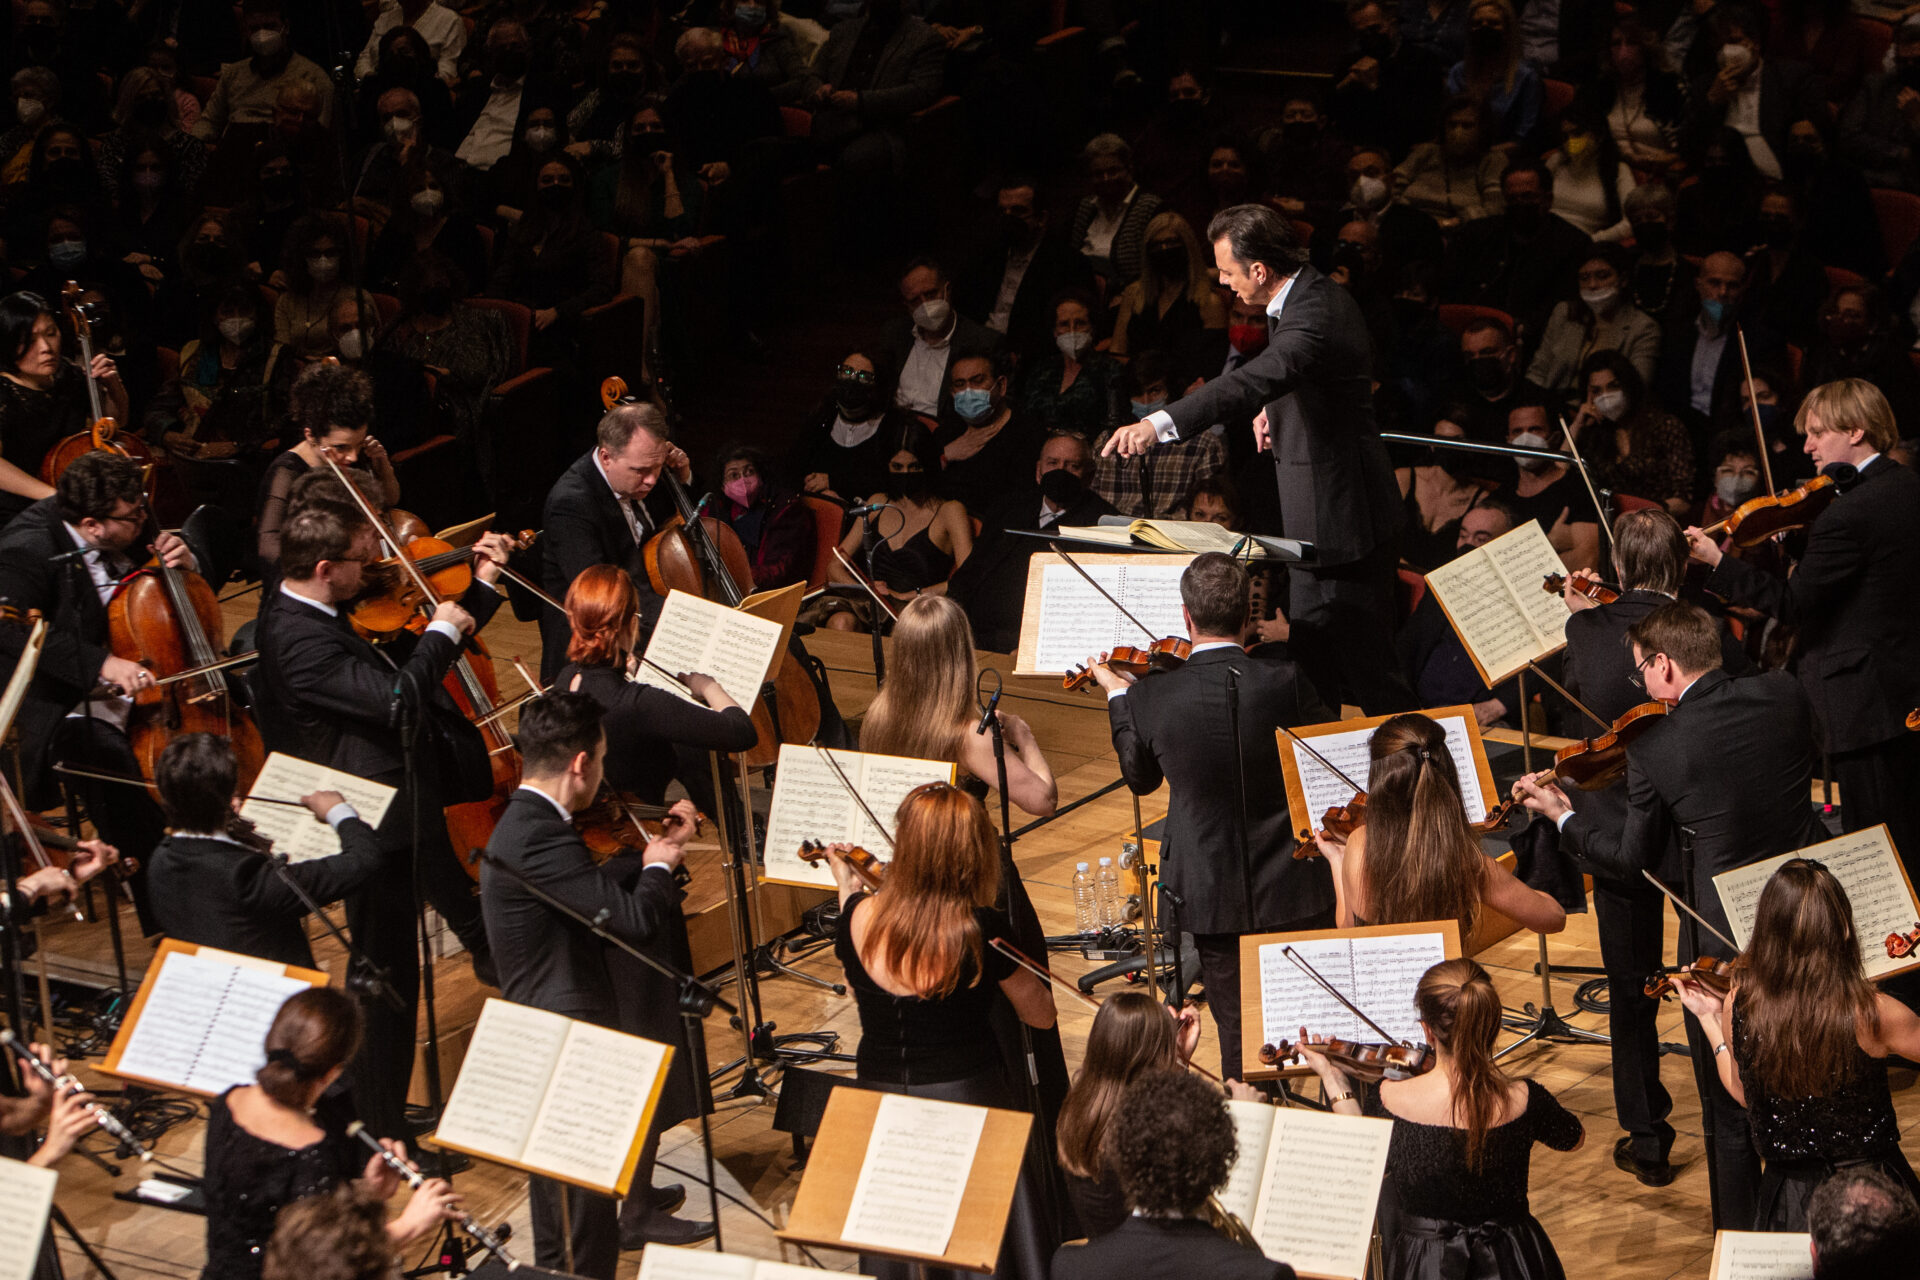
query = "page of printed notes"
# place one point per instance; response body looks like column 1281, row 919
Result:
column 1347, row 752
column 503, row 1079
column 1524, row 559
column 811, row 803
column 1321, row 1189
column 1495, row 598
column 296, row 832
column 26, row 1196
column 1379, row 974
column 1077, row 621
column 696, row 635
column 1867, row 867
column 204, row 1025
column 1253, row 1129
column 595, row 1104
column 676, row 1262
column 918, row 1160
column 1762, row 1255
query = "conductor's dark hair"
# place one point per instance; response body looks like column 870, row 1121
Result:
column 1255, row 233
column 1177, row 1146
column 196, row 777
column 1865, row 1225
column 1682, row 631
column 331, row 397
column 319, row 530
column 314, row 1032
column 97, row 482
column 1214, row 589
column 1649, row 551
column 341, row 1235
column 555, row 729
column 19, row 312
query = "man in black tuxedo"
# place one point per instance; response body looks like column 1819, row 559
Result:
column 991, row 585
column 548, row 962
column 602, row 510
column 65, row 556
column 1729, row 773
column 1010, row 283
column 1336, row 485
column 1227, row 859
column 324, row 694
column 1850, row 598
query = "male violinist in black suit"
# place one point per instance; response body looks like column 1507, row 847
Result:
column 1850, row 600
column 602, row 510
column 1729, row 773
column 324, row 694
column 1227, row 858
column 1312, row 388
column 549, row 962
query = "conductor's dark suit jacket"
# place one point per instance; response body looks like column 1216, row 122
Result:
column 1315, row 381
column 991, row 585
column 1852, row 598
column 582, row 525
column 1175, row 726
column 1732, row 763
column 1161, row 1249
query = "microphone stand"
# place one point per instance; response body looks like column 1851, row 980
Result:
column 406, row 715
column 869, row 545
column 696, row 1001
column 364, row 977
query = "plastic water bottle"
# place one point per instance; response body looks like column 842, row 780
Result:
column 1086, row 910
column 1106, row 892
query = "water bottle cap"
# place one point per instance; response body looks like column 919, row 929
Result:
column 1106, row 862
column 1079, row 866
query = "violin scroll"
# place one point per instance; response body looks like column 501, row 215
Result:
column 1901, row 946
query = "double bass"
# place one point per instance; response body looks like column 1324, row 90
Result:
column 104, row 434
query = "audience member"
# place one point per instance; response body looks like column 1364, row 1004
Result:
column 1455, row 178
column 1591, row 180
column 1074, row 387
column 248, row 89
column 1856, row 338
column 1430, row 649
column 1173, row 306
column 841, row 451
column 1757, row 97
column 1839, row 208
column 990, row 439
column 444, row 31
column 1632, row 446
column 1109, row 226
column 1699, row 357
column 1659, row 279
column 1170, row 154
column 403, row 150
column 1493, row 384
column 1600, row 317
column 466, row 349
column 924, row 344
column 1018, row 270
column 1643, row 101
column 1155, row 485
column 1514, row 261
column 1304, row 163
column 775, row 528
column 1494, row 73
column 552, row 263
column 920, row 536
column 492, row 113
column 148, row 110
column 1405, row 233
column 625, row 76
column 1880, row 128
column 1438, row 488
column 1391, row 84
column 430, row 218
column 1551, row 492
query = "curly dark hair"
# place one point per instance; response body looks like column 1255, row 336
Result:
column 341, row 1235
column 96, row 483
column 329, row 397
column 1177, row 1147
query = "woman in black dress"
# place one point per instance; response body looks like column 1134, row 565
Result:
column 925, row 976
column 1462, row 1138
column 1802, row 1041
column 277, row 1141
column 43, row 398
column 923, row 537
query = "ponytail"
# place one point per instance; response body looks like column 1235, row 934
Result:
column 1423, row 862
column 1457, row 1001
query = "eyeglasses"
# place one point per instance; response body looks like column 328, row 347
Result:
column 137, row 516
column 1638, row 667
column 850, row 374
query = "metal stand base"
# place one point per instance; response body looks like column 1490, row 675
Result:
column 1544, row 1022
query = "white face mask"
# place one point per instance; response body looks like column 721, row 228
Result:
column 1073, row 345
column 1368, row 192
column 236, row 329
column 29, row 110
column 932, row 314
column 1530, row 440
column 399, row 128
column 1735, row 57
column 1611, row 405
column 540, row 139
column 324, row 268
column 353, row 344
column 266, row 43
column 1734, row 490
column 428, row 203
column 1600, row 300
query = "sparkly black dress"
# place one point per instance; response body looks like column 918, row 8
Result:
column 1443, row 1221
column 1803, row 1141
column 249, row 1180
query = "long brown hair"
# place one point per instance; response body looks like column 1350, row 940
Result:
column 1423, row 862
column 601, row 602
column 944, row 866
column 1132, row 1034
column 929, row 691
column 314, row 1032
column 1804, row 998
column 1457, row 1001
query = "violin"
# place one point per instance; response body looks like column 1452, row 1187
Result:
column 1902, row 945
column 615, row 823
column 1757, row 519
column 1592, row 588
column 1710, row 972
column 1342, row 820
column 871, row 871
column 244, row 833
column 1596, row 763
column 104, row 435
column 1370, row 1062
column 1162, row 655
column 392, row 597
column 1913, row 720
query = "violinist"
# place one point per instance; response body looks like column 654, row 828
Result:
column 1727, row 773
column 214, row 887
column 1226, row 858
column 332, row 409
column 43, row 398
column 1850, row 598
column 77, row 707
column 1463, row 1135
column 1802, row 1040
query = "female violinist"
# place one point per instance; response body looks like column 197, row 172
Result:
column 43, row 398
column 1463, row 1135
column 332, row 408
column 1802, row 1040
column 1416, row 858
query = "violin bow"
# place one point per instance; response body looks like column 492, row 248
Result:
column 858, row 799
column 429, row 597
column 101, row 775
column 1334, row 991
column 1325, row 763
column 1580, row 706
column 1599, row 507
column 862, row 580
column 16, row 815
column 1675, row 899
column 1125, row 612
column 1753, row 404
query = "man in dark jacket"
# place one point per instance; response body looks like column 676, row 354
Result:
column 1517, row 261
column 1880, row 129
column 1010, row 283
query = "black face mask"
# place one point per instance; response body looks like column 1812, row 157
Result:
column 437, row 300
column 511, row 64
column 624, row 84
column 151, row 112
column 1186, row 113
column 649, row 141
column 1300, row 133
column 855, row 400
column 207, row 259
column 1651, row 237
column 556, row 199
column 1487, row 40
column 277, row 186
column 908, row 484
column 1407, row 313
column 1909, row 73
column 1488, row 374
column 1169, row 262
column 1015, row 233
column 1525, row 219
column 64, row 170
column 1062, row 488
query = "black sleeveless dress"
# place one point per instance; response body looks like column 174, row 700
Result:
column 249, row 1180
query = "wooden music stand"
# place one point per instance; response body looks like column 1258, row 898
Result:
column 833, row 1169
column 1297, row 808
column 1026, row 653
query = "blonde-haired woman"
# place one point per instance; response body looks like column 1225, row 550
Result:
column 1494, row 74
column 1173, row 305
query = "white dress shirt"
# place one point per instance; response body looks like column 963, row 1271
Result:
column 1016, row 270
column 444, row 31
column 1163, row 428
column 1100, row 232
column 639, row 523
column 925, row 373
column 492, row 134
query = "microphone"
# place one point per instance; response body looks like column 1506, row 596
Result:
column 987, row 713
column 868, row 508
column 488, row 1240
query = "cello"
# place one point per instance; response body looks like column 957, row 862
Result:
column 105, row 433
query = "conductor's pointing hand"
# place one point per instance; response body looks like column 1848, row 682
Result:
column 1131, row 441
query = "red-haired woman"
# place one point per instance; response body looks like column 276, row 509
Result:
column 924, row 972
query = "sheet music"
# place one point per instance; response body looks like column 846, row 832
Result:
column 204, row 1025
column 696, row 635
column 1320, row 1190
column 1377, row 973
column 596, row 1101
column 918, row 1160
column 809, row 803
column 1253, row 1128
column 296, row 832
column 1524, row 557
column 1762, row 1255
column 1493, row 596
column 503, row 1079
column 676, row 1262
column 1076, row 620
column 768, row 1269
column 26, row 1196
column 1867, row 867
column 1347, row 752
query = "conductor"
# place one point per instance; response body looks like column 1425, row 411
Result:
column 1310, row 395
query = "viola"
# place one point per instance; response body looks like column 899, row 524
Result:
column 1371, row 1062
column 871, row 871
column 1162, row 655
column 1342, row 820
column 1757, row 519
column 1592, row 588
column 1596, row 763
column 104, row 435
column 615, row 823
column 1902, row 945
column 1710, row 972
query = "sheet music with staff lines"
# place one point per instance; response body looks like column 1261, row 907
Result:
column 918, row 1160
column 1494, row 598
column 26, row 1197
column 696, row 635
column 1348, row 751
column 293, row 830
column 1320, row 1190
column 1379, row 974
column 810, row 802
column 1069, row 619
column 1867, row 866
column 1761, row 1255
column 203, row 1025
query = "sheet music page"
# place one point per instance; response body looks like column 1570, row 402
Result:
column 204, row 1025
column 1346, row 751
column 1253, row 1127
column 1867, row 867
column 676, row 1262
column 1320, row 1190
column 1120, row 535
column 768, row 1269
column 1762, row 1255
column 919, row 1158
column 295, row 832
column 236, row 1043
column 809, row 803
column 693, row 634
column 1485, row 614
column 1523, row 558
column 1378, row 974
column 503, row 1079
column 596, row 1100
column 26, row 1196
column 1193, row 535
column 1077, row 621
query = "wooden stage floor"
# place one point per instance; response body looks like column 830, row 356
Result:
column 1604, row 1223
